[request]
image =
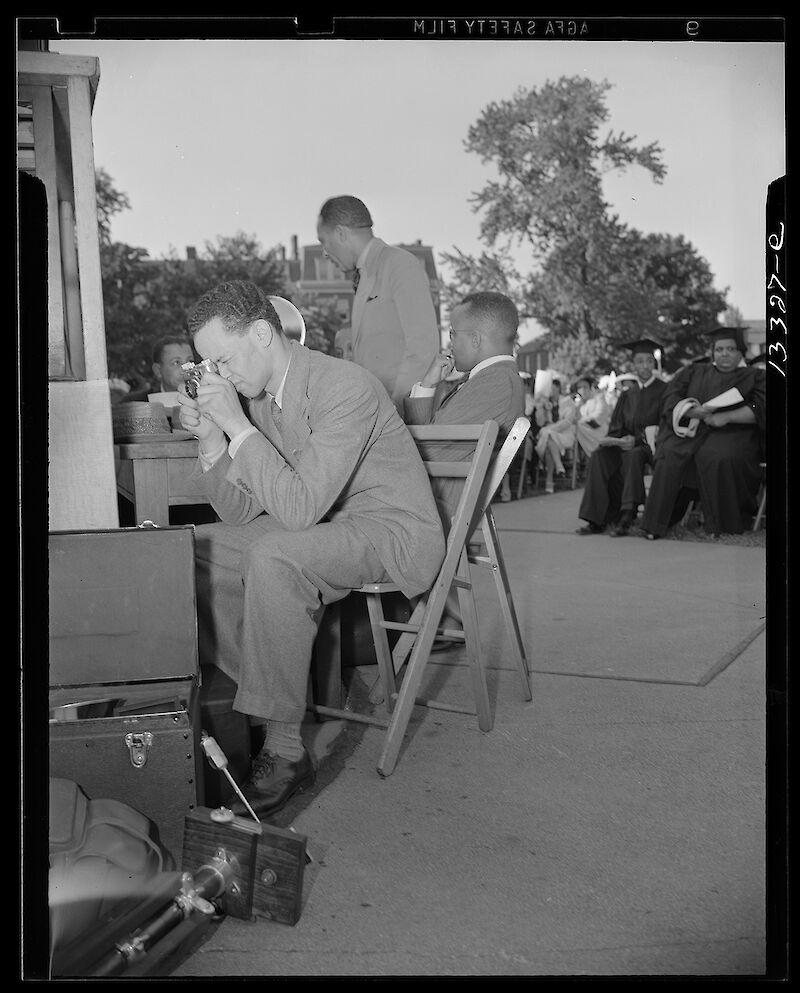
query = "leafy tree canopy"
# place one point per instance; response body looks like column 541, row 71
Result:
column 593, row 282
column 146, row 298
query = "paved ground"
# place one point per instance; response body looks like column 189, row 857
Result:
column 612, row 826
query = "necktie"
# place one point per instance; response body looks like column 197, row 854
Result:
column 356, row 279
column 453, row 386
column 277, row 414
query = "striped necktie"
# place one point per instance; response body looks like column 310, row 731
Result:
column 356, row 279
column 453, row 386
column 277, row 414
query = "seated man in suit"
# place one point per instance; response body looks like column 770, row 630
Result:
column 394, row 329
column 169, row 354
column 482, row 335
column 614, row 487
column 319, row 488
column 720, row 454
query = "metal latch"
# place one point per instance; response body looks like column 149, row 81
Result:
column 139, row 746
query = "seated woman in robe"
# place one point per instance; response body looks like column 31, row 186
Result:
column 710, row 441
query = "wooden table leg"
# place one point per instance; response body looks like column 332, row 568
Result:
column 151, row 491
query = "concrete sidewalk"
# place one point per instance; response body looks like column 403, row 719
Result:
column 612, row 826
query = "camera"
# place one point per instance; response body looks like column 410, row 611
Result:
column 193, row 372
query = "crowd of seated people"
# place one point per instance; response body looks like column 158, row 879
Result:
column 614, row 487
column 595, row 408
column 701, row 435
column 555, row 414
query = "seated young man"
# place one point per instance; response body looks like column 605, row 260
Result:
column 712, row 447
column 319, row 488
column 614, row 487
column 482, row 333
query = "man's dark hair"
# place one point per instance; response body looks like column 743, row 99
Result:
column 495, row 309
column 346, row 210
column 168, row 339
column 237, row 304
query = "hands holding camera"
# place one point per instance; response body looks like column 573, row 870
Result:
column 215, row 413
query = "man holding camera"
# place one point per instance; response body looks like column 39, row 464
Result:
column 319, row 488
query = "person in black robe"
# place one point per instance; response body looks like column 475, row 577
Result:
column 614, row 487
column 721, row 459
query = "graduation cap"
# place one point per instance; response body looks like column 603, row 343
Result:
column 728, row 334
column 645, row 345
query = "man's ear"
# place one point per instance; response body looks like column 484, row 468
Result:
column 157, row 372
column 264, row 332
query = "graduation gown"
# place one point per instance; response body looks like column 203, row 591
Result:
column 722, row 463
column 615, row 479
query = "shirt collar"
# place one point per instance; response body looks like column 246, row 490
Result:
column 484, row 363
column 279, row 395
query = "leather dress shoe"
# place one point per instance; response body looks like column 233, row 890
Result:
column 590, row 529
column 273, row 781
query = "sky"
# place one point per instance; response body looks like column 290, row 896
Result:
column 207, row 138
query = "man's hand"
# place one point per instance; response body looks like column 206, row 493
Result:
column 191, row 419
column 219, row 402
column 716, row 420
column 626, row 442
column 441, row 367
column 697, row 412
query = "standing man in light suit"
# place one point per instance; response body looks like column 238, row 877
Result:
column 394, row 329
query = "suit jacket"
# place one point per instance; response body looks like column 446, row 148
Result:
column 495, row 393
column 341, row 452
column 395, row 334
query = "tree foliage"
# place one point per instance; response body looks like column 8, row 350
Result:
column 592, row 282
column 146, row 298
column 490, row 271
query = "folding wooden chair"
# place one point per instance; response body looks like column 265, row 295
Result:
column 527, row 455
column 762, row 503
column 481, row 476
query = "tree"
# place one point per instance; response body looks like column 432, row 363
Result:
column 110, row 201
column 733, row 317
column 122, row 269
column 550, row 161
column 175, row 284
column 322, row 320
column 591, row 277
column 491, row 271
column 146, row 298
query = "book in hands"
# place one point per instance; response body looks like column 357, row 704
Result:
column 730, row 398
